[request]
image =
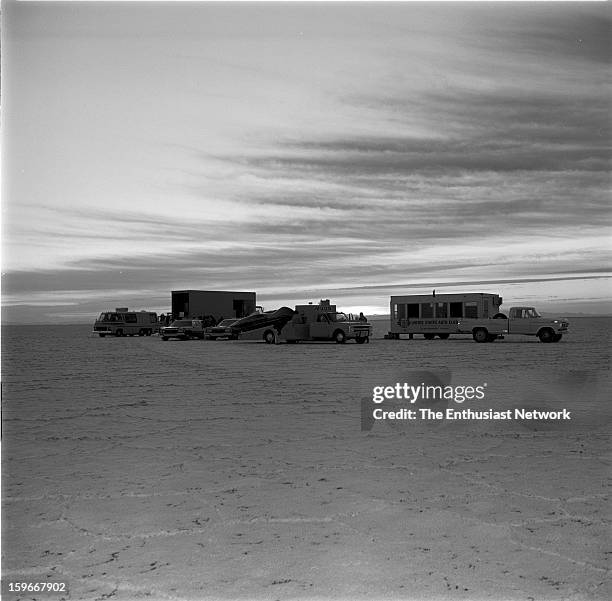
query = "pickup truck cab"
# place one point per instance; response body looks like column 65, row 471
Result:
column 520, row 320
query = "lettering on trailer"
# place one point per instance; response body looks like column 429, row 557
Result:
column 429, row 322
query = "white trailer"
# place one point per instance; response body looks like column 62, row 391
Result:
column 439, row 315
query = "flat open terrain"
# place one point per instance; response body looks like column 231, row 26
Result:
column 135, row 468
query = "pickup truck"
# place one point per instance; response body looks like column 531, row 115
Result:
column 321, row 322
column 520, row 320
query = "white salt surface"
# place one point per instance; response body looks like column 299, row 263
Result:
column 135, row 468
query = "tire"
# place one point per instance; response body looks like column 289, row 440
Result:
column 546, row 335
column 557, row 337
column 339, row 337
column 361, row 340
column 118, row 333
column 429, row 336
column 443, row 336
column 500, row 316
column 164, row 337
column 102, row 335
column 480, row 335
column 141, row 332
column 269, row 337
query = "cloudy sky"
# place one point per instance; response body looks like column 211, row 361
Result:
column 304, row 151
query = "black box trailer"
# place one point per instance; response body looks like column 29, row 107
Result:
column 195, row 304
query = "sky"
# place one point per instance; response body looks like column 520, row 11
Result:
column 348, row 151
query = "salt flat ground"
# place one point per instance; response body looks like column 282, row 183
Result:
column 135, row 468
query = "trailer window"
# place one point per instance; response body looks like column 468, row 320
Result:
column 471, row 310
column 456, row 309
column 401, row 312
column 413, row 310
column 426, row 309
column 441, row 310
column 130, row 318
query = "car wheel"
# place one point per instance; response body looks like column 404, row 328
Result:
column 480, row 335
column 269, row 337
column 339, row 337
column 164, row 337
column 557, row 337
column 443, row 336
column 546, row 335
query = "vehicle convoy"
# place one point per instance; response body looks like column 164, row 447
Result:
column 520, row 320
column 123, row 322
column 183, row 329
column 318, row 322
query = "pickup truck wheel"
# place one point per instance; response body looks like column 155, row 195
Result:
column 443, row 336
column 339, row 337
column 429, row 336
column 360, row 340
column 546, row 335
column 480, row 335
column 557, row 337
column 164, row 337
column 269, row 337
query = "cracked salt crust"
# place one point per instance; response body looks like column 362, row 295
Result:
column 239, row 471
